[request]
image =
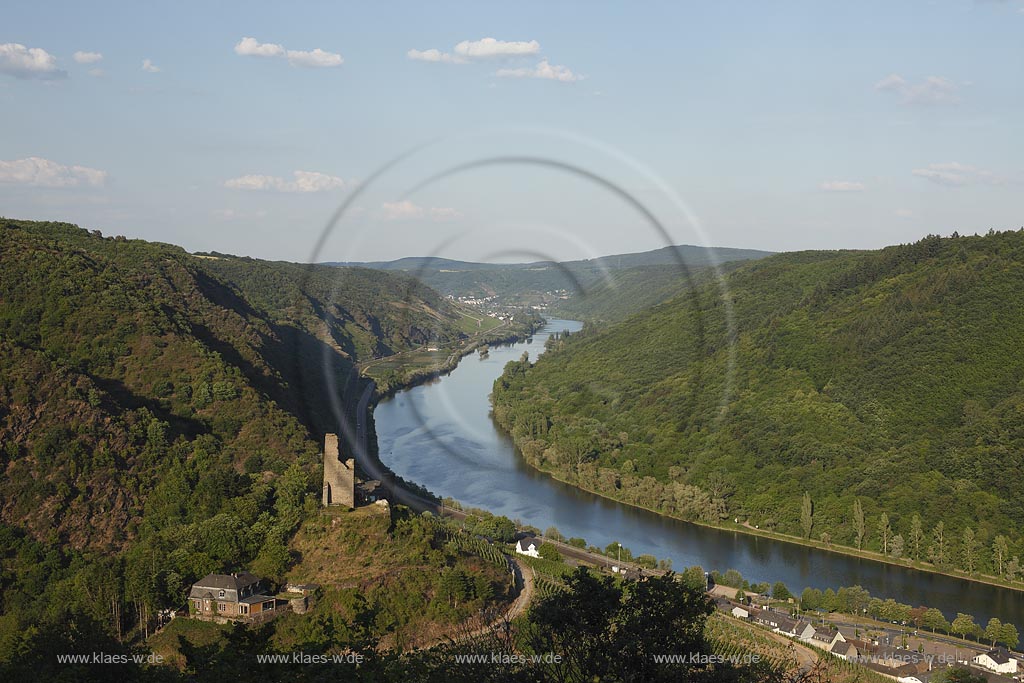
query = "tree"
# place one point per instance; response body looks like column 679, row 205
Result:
column 604, row 632
column 483, row 588
column 994, row 630
column 957, row 674
column 935, row 620
column 455, row 586
column 780, row 592
column 937, row 552
column 969, row 550
column 896, row 546
column 1000, row 549
column 554, row 534
column 826, row 538
column 810, row 599
column 549, row 552
column 858, row 523
column 1008, row 635
column 807, row 515
column 1013, row 568
column 963, row 624
column 917, row 616
column 916, row 536
column 884, row 532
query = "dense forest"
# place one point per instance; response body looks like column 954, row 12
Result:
column 161, row 415
column 870, row 399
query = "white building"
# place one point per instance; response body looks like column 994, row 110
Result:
column 528, row 546
column 740, row 613
column 998, row 660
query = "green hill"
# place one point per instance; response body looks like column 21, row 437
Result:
column 892, row 378
column 518, row 283
column 622, row 293
column 161, row 413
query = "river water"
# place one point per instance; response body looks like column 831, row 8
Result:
column 441, row 435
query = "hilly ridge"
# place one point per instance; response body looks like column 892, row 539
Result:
column 890, row 378
column 516, row 280
column 115, row 349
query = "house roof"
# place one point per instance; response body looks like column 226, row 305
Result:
column 233, row 581
column 843, row 648
column 232, row 585
column 526, row 541
column 826, row 635
column 998, row 655
column 253, row 599
column 786, row 624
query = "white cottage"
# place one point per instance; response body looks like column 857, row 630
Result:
column 528, row 546
column 998, row 660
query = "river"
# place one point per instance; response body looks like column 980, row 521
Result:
column 441, row 435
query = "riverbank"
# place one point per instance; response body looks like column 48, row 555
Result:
column 412, row 493
column 417, row 377
column 443, row 435
column 744, row 528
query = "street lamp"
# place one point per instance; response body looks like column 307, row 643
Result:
column 620, row 551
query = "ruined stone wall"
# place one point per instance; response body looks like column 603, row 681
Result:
column 339, row 476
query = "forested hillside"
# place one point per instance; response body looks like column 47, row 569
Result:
column 623, row 293
column 161, row 413
column 886, row 385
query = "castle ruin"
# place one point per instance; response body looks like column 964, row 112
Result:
column 339, row 476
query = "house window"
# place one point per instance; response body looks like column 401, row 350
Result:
column 243, row 609
column 198, row 604
column 221, row 593
column 222, row 607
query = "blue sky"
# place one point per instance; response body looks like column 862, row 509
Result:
column 781, row 126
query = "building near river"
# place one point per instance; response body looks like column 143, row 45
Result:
column 997, row 660
column 528, row 546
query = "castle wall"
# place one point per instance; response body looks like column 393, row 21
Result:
column 339, row 476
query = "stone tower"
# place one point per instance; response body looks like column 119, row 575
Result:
column 339, row 477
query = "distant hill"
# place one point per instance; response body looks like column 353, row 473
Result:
column 894, row 378
column 532, row 283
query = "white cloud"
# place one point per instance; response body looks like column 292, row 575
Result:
column 487, row 48
column 954, row 174
column 891, row 82
column 40, row 172
column 302, row 181
column 314, row 58
column 544, row 70
column 149, row 67
column 87, row 57
column 28, row 62
column 405, row 209
column 96, row 72
column 904, row 213
column 842, row 186
column 434, row 55
column 250, row 47
column 932, row 90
